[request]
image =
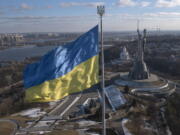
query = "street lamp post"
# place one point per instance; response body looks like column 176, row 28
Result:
column 100, row 12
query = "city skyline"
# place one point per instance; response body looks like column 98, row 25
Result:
column 80, row 15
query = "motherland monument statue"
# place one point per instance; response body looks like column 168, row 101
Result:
column 140, row 70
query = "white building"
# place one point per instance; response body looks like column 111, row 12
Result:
column 124, row 55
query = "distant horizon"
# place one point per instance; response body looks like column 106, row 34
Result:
column 76, row 32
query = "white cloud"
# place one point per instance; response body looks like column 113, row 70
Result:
column 146, row 16
column 47, row 19
column 125, row 3
column 25, row 6
column 145, row 3
column 167, row 3
column 48, row 23
column 131, row 3
column 165, row 20
column 163, row 14
column 86, row 4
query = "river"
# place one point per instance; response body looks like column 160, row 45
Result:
column 20, row 53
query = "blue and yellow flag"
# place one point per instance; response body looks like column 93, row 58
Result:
column 64, row 70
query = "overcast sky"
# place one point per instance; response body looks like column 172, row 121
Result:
column 80, row 15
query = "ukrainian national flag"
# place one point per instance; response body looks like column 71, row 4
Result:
column 64, row 70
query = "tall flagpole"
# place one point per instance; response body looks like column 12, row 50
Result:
column 101, row 11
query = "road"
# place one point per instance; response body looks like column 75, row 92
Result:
column 71, row 103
